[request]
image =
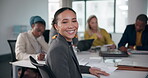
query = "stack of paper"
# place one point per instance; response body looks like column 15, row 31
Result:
column 138, row 52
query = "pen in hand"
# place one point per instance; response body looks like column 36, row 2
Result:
column 41, row 56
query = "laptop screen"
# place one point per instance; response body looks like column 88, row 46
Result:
column 84, row 45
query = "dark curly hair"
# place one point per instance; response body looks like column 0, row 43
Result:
column 142, row 17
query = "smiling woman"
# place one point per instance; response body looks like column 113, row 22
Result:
column 67, row 24
column 61, row 56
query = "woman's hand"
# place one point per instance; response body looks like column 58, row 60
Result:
column 41, row 56
column 97, row 72
column 112, row 46
column 99, row 35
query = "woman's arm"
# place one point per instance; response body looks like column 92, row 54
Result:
column 59, row 62
column 88, row 36
column 20, row 48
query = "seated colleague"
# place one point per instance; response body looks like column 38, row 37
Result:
column 61, row 56
column 135, row 35
column 100, row 35
column 32, row 43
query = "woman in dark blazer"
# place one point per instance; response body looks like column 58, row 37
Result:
column 61, row 57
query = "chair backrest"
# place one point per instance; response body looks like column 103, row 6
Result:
column 45, row 70
column 46, row 35
column 110, row 35
column 12, row 48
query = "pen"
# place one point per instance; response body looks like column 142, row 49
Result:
column 86, row 63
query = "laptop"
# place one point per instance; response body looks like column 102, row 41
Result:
column 84, row 45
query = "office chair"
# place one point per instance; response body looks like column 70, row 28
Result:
column 12, row 48
column 13, row 57
column 110, row 35
column 45, row 70
column 46, row 35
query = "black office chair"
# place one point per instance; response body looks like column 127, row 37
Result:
column 13, row 57
column 46, row 35
column 12, row 48
column 45, row 70
column 110, row 35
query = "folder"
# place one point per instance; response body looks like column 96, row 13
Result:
column 132, row 68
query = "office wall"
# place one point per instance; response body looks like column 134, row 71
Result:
column 18, row 12
column 147, row 7
column 136, row 7
column 66, row 3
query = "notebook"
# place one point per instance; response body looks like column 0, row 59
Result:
column 84, row 45
column 113, row 54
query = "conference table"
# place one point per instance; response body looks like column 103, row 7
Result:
column 92, row 58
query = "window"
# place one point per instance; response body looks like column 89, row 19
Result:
column 121, row 15
column 80, row 10
column 110, row 18
column 104, row 10
column 53, row 6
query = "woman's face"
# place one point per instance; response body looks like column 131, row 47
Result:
column 67, row 24
column 38, row 29
column 93, row 23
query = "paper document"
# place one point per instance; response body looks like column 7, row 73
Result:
column 88, row 76
column 138, row 52
column 108, row 45
column 103, row 66
column 98, row 63
column 132, row 63
column 83, row 61
column 105, row 45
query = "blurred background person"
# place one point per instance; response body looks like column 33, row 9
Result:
column 135, row 35
column 32, row 43
column 101, row 36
